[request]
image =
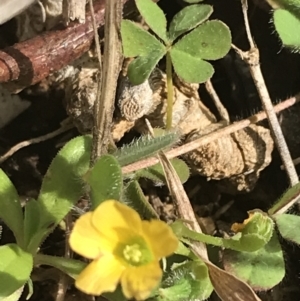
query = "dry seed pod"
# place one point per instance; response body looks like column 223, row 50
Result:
column 135, row 101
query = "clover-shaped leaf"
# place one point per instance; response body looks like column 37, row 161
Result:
column 140, row 69
column 137, row 41
column 190, row 68
column 154, row 17
column 188, row 18
column 209, row 41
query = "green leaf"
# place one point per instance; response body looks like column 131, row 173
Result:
column 154, row 17
column 186, row 281
column 156, row 174
column 254, row 233
column 262, row 269
column 15, row 296
column 135, row 198
column 288, row 28
column 188, row 18
column 191, row 69
column 62, row 185
column 105, row 180
column 69, row 266
column 144, row 147
column 10, row 207
column 137, row 41
column 209, row 41
column 288, row 226
column 31, row 219
column 140, row 69
column 15, row 269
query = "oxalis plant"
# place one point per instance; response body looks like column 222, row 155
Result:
column 188, row 43
column 133, row 254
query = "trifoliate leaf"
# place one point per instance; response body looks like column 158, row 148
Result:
column 137, row 41
column 188, row 18
column 209, row 41
column 154, row 17
column 190, row 68
column 140, row 69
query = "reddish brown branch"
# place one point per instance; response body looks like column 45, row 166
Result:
column 29, row 62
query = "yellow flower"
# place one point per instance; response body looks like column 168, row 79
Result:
column 123, row 248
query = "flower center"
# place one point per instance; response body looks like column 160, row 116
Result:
column 132, row 253
column 135, row 252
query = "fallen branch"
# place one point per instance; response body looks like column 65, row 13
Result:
column 29, row 62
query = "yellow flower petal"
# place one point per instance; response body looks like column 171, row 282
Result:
column 84, row 238
column 160, row 237
column 101, row 275
column 116, row 221
column 139, row 282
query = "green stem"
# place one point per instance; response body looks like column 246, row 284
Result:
column 170, row 91
column 69, row 266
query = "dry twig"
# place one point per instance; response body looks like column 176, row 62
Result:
column 251, row 57
column 29, row 62
column 210, row 137
column 104, row 105
column 65, row 127
column 214, row 96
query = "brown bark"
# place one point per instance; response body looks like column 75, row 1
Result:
column 28, row 62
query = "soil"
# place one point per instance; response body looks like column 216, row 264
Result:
column 281, row 70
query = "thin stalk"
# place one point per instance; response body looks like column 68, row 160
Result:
column 170, row 91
